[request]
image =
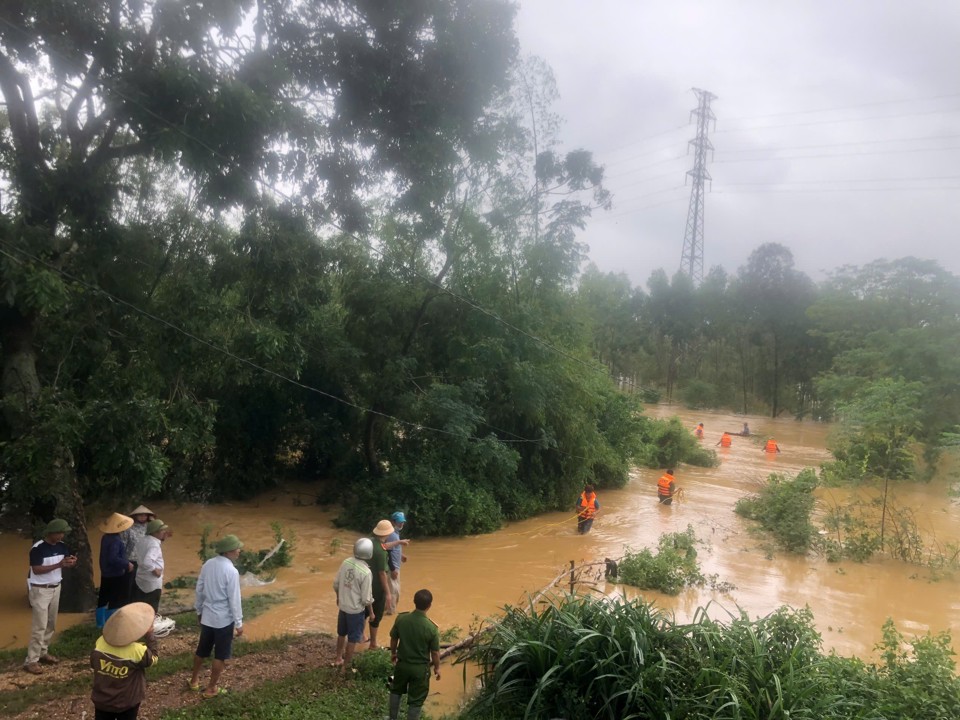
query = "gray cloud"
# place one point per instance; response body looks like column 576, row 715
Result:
column 872, row 86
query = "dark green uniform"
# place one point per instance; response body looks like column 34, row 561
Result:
column 418, row 636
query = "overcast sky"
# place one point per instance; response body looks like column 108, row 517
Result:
column 870, row 87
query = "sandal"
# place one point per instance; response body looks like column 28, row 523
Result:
column 220, row 691
column 195, row 688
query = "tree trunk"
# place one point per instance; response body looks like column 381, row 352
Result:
column 21, row 390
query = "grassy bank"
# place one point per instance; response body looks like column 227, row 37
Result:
column 588, row 659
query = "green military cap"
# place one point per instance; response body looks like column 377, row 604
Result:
column 56, row 526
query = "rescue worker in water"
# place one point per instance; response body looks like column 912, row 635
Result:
column 771, row 446
column 587, row 507
column 666, row 488
column 725, row 440
column 698, row 431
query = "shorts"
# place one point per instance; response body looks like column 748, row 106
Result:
column 665, row 499
column 378, row 605
column 412, row 680
column 220, row 640
column 351, row 625
column 584, row 525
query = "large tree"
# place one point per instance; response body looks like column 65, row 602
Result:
column 328, row 98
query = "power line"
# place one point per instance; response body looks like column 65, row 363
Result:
column 848, row 143
column 848, row 107
column 904, row 151
column 846, row 120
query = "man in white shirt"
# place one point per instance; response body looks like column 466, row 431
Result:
column 149, row 580
column 219, row 612
column 354, row 588
column 47, row 558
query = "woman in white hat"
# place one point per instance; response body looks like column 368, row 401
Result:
column 120, row 661
column 114, row 566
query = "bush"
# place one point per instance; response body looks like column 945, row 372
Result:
column 436, row 503
column 667, row 443
column 783, row 508
column 700, row 394
column 603, row 659
column 670, row 570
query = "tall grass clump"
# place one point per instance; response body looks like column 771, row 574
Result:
column 783, row 508
column 581, row 658
column 672, row 568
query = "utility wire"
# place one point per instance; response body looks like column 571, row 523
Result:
column 223, row 351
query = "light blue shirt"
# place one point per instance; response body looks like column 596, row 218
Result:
column 218, row 594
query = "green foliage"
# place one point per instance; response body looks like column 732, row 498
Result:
column 585, row 659
column 255, row 561
column 877, row 426
column 667, row 443
column 318, row 693
column 671, row 569
column 699, row 394
column 783, row 508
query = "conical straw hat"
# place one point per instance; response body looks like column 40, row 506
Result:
column 142, row 510
column 128, row 624
column 116, row 523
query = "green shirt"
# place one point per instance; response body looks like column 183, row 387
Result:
column 378, row 564
column 418, row 636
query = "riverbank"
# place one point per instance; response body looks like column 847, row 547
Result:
column 291, row 671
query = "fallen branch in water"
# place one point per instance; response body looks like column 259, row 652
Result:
column 470, row 639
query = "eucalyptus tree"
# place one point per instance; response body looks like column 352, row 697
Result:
column 774, row 298
column 326, row 98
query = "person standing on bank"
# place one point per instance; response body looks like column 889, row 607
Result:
column 219, row 612
column 354, row 589
column 587, row 507
column 666, row 488
column 395, row 557
column 414, row 647
column 149, row 576
column 114, row 566
column 48, row 557
column 131, row 537
column 120, row 662
column 382, row 598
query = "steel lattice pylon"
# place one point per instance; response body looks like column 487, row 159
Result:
column 691, row 261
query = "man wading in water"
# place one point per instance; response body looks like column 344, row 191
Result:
column 587, row 507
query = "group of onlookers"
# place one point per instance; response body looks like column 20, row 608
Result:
column 131, row 564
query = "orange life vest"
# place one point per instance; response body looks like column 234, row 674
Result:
column 725, row 440
column 772, row 446
column 663, row 485
column 588, row 503
column 698, row 431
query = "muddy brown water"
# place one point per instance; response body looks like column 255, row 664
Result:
column 472, row 577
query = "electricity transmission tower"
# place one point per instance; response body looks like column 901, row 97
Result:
column 691, row 261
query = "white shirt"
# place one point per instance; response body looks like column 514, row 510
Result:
column 150, row 552
column 354, row 586
column 218, row 594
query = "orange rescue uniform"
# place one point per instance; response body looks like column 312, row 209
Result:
column 726, row 440
column 665, row 486
column 589, row 505
column 772, row 446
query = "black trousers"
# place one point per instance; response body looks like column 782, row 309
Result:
column 128, row 714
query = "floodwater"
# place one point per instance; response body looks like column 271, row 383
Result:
column 472, row 577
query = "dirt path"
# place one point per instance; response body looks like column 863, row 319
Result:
column 242, row 673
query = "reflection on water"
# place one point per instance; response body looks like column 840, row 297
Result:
column 472, row 577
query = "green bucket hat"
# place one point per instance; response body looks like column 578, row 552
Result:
column 156, row 525
column 227, row 544
column 56, row 526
